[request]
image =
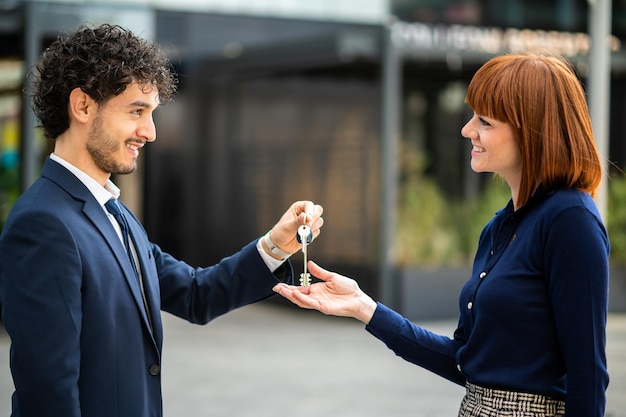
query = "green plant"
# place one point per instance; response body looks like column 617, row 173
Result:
column 616, row 219
column 433, row 231
column 469, row 217
column 424, row 234
column 9, row 191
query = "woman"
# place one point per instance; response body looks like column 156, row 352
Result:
column 531, row 331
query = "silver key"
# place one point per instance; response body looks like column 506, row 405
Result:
column 305, row 236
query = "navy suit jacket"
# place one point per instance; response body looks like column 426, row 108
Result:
column 82, row 341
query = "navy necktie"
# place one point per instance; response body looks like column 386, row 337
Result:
column 113, row 208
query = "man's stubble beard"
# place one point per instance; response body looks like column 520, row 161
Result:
column 102, row 147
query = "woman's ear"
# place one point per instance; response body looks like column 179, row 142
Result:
column 81, row 107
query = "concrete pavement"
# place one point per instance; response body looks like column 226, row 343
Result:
column 270, row 360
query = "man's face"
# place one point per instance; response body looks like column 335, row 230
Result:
column 120, row 128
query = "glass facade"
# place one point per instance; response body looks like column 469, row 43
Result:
column 559, row 15
column 259, row 84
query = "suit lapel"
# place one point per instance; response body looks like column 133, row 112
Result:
column 96, row 215
column 150, row 282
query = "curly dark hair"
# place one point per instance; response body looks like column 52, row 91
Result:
column 102, row 62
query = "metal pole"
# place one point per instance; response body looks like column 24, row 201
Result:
column 391, row 94
column 599, row 87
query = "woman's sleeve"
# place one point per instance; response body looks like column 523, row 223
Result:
column 577, row 251
column 415, row 344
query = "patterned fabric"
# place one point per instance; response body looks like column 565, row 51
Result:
column 486, row 402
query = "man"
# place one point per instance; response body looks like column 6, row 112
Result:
column 80, row 290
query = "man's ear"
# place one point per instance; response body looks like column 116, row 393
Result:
column 81, row 106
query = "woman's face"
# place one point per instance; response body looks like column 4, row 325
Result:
column 494, row 148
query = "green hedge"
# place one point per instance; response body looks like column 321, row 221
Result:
column 616, row 219
column 434, row 231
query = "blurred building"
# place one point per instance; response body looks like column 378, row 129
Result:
column 281, row 101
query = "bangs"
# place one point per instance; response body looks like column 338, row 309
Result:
column 494, row 91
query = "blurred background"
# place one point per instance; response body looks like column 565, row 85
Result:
column 354, row 104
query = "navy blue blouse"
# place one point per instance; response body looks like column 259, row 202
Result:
column 533, row 313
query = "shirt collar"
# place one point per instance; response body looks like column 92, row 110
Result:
column 101, row 194
column 539, row 194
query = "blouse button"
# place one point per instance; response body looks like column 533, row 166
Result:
column 482, row 275
column 470, row 305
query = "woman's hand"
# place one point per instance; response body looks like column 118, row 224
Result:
column 336, row 295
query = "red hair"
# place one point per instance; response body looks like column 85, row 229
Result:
column 544, row 102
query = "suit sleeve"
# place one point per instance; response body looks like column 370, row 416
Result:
column 40, row 276
column 202, row 294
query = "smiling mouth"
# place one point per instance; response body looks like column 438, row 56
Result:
column 478, row 149
column 134, row 145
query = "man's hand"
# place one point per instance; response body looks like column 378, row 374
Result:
column 284, row 233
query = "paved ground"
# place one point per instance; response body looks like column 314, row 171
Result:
column 269, row 360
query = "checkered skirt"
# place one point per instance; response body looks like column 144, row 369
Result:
column 486, row 402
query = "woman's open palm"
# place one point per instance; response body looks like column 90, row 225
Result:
column 335, row 295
